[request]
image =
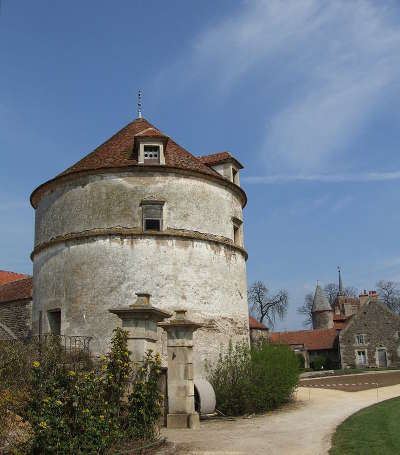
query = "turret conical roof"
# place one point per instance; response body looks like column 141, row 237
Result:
column 320, row 302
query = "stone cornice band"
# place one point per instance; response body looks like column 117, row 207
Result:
column 139, row 233
column 47, row 186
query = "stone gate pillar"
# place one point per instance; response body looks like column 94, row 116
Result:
column 140, row 320
column 181, row 410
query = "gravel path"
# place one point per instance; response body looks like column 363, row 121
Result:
column 303, row 427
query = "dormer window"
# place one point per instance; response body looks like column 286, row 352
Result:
column 152, row 212
column 235, row 176
column 151, row 152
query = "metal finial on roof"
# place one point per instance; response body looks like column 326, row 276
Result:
column 340, row 282
column 139, row 104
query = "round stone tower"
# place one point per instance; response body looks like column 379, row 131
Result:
column 140, row 214
column 322, row 313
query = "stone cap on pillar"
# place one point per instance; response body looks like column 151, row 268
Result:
column 180, row 321
column 141, row 309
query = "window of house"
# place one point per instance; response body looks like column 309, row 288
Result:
column 360, row 339
column 54, row 317
column 152, row 215
column 151, row 152
column 361, row 358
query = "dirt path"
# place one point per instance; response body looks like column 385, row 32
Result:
column 304, row 427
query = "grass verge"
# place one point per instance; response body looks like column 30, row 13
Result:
column 373, row 430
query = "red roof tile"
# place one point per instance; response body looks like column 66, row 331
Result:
column 310, row 339
column 339, row 325
column 254, row 324
column 16, row 290
column 7, row 277
column 216, row 158
column 119, row 151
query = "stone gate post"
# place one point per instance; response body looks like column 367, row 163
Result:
column 181, row 410
column 140, row 320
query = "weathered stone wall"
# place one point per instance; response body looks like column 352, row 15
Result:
column 104, row 201
column 17, row 318
column 380, row 328
column 322, row 320
column 86, row 276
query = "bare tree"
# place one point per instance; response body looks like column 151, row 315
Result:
column 389, row 293
column 331, row 291
column 266, row 307
column 306, row 309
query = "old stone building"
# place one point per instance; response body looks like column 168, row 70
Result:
column 371, row 337
column 353, row 332
column 258, row 332
column 15, row 305
column 140, row 214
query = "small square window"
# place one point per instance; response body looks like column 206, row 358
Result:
column 152, row 216
column 152, row 225
column 360, row 339
column 237, row 235
column 151, row 152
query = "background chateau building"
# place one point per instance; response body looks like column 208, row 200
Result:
column 141, row 214
column 353, row 332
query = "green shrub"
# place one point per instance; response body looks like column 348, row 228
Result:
column 319, row 362
column 15, row 363
column 83, row 408
column 144, row 409
column 253, row 380
column 302, row 361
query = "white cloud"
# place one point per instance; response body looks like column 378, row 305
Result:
column 340, row 55
column 362, row 177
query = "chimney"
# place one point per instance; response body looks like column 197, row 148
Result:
column 363, row 297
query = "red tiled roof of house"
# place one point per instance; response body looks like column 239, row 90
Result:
column 339, row 317
column 119, row 151
column 254, row 324
column 312, row 340
column 339, row 325
column 7, row 277
column 219, row 157
column 16, row 290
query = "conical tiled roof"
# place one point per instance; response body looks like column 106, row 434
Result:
column 320, row 302
column 120, row 151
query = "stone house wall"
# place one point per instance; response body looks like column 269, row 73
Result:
column 15, row 319
column 380, row 328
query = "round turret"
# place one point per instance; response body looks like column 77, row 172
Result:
column 322, row 313
column 141, row 215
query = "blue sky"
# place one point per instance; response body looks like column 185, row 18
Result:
column 304, row 93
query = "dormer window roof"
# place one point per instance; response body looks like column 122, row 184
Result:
column 225, row 164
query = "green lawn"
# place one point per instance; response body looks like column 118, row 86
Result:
column 373, row 430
